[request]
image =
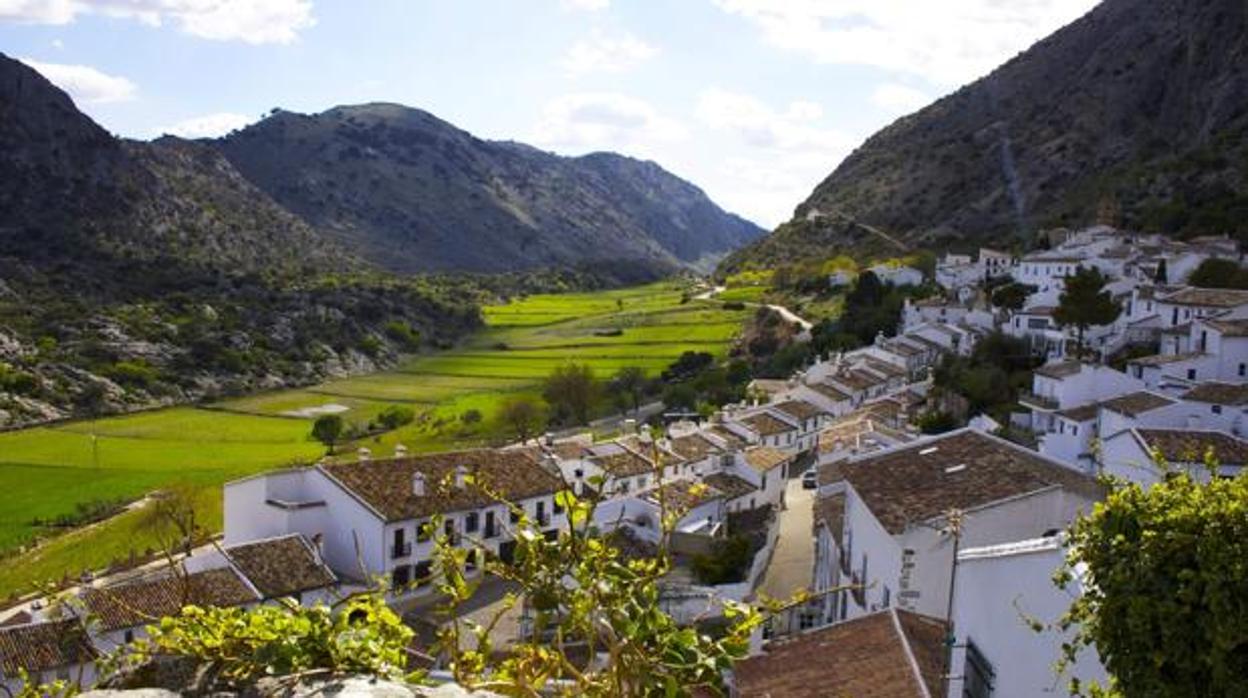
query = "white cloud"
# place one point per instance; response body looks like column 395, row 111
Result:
column 207, row 126
column 590, row 5
column 588, row 121
column 901, row 99
column 947, row 43
column 606, row 54
column 250, row 21
column 776, row 156
column 84, row 83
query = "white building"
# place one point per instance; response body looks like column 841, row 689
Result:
column 1068, row 384
column 1128, row 454
column 898, row 276
column 48, row 650
column 895, row 543
column 998, row 589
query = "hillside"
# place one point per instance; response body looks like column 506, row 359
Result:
column 413, row 193
column 139, row 273
column 1137, row 113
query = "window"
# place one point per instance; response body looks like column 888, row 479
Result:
column 887, row 599
column 1191, row 374
column 642, row 482
column 514, row 513
column 1217, row 409
column 542, row 519
column 129, row 636
column 401, row 576
column 978, row 672
column 491, row 527
column 423, row 532
column 449, row 529
column 1074, row 431
column 557, row 508
column 764, row 482
column 422, row 573
column 1243, row 369
column 472, row 522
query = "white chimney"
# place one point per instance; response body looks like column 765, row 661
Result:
column 364, row 453
column 630, row 425
column 461, row 476
column 400, row 450
column 418, row 484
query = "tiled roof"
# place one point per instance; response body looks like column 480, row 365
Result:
column 889, row 654
column 843, row 432
column 963, row 469
column 683, row 495
column 857, row 379
column 765, row 424
column 140, row 602
column 618, row 461
column 386, row 485
column 648, row 449
column 885, row 368
column 1137, row 403
column 903, row 348
column 1163, row 359
column 799, row 409
column 694, row 447
column 730, row 485
column 1082, row 413
column 1219, row 393
column 43, row 646
column 829, row 391
column 1230, row 328
column 1190, row 446
column 281, row 566
column 734, row 440
column 1062, row 369
column 765, row 458
column 1213, row 297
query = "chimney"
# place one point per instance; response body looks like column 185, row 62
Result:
column 400, row 450
column 418, row 484
column 461, row 475
column 364, row 453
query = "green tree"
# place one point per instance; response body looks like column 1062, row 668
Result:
column 523, row 416
column 1161, row 276
column 1012, row 296
column 328, row 430
column 631, row 383
column 1219, row 273
column 1085, row 303
column 1163, row 597
column 571, row 390
column 396, row 416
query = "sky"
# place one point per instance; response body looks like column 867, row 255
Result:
column 754, row 101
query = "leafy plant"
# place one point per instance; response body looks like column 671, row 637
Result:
column 328, row 429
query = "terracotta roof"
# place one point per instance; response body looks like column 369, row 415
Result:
column 683, row 495
column 1213, row 297
column 799, row 409
column 830, row 511
column 1137, row 403
column 1219, row 393
column 1082, row 413
column 386, row 485
column 734, row 440
column 765, row 424
column 963, row 469
column 1230, row 328
column 765, row 458
column 889, row 654
column 730, row 485
column 43, row 646
column 619, row 461
column 140, row 602
column 829, row 391
column 1163, row 359
column 1190, row 446
column 1059, row 370
column 695, row 447
column 281, row 566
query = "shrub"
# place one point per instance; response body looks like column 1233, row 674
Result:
column 728, row 562
column 396, row 416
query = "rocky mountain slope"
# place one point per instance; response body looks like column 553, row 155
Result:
column 138, row 273
column 413, row 193
column 1135, row 113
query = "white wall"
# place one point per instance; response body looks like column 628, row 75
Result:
column 994, row 589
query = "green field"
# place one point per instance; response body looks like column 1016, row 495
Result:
column 48, row 471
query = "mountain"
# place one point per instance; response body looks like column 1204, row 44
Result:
column 412, row 193
column 1135, row 114
column 136, row 273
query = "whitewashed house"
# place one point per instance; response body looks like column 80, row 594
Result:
column 898, row 275
column 1129, row 454
column 1068, row 384
column 995, row 651
column 47, row 650
column 896, row 543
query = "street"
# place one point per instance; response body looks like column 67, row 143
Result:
column 792, row 564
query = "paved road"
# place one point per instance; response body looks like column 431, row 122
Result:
column 785, row 313
column 792, row 563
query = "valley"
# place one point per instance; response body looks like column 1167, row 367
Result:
column 49, row 471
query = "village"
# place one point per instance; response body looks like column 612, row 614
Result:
column 924, row 555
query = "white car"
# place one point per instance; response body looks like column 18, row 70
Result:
column 810, row 479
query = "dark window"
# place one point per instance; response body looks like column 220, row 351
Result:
column 1217, row 409
column 421, row 573
column 129, row 636
column 491, row 526
column 978, row 672
column 1191, row 374
column 472, row 522
column 401, row 547
column 514, row 513
column 423, row 531
column 1243, row 369
column 542, row 519
column 401, row 576
column 557, row 508
column 449, row 529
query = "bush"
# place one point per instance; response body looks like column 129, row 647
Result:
column 734, row 305
column 936, row 422
column 132, row 374
column 728, row 563
column 395, row 416
column 471, row 416
column 403, row 333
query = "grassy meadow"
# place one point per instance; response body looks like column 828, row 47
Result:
column 46, row 472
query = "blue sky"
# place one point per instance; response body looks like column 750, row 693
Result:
column 753, row 100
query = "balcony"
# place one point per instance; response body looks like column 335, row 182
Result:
column 400, row 550
column 1038, row 402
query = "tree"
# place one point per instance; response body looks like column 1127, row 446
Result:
column 1012, row 296
column 631, row 383
column 571, row 390
column 395, row 416
column 1219, row 273
column 523, row 416
column 1165, row 607
column 1085, row 303
column 328, row 430
column 1161, row 275
column 172, row 515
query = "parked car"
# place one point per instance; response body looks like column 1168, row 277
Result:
column 810, row 479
